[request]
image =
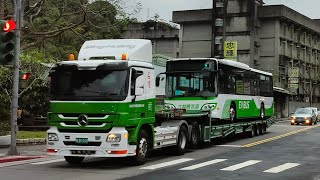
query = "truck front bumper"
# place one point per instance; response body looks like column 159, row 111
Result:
column 91, row 144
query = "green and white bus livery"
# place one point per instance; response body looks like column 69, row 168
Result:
column 230, row 90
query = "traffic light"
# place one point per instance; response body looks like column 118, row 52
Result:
column 24, row 79
column 6, row 41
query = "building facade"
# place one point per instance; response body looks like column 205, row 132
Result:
column 164, row 37
column 274, row 38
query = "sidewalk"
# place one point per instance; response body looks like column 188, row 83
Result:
column 27, row 150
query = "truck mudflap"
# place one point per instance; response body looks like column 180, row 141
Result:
column 112, row 144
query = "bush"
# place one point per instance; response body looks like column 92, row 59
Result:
column 4, row 128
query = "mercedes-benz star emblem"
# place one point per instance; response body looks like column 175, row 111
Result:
column 83, row 120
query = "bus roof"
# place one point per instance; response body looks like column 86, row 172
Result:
column 234, row 64
column 228, row 63
column 261, row 72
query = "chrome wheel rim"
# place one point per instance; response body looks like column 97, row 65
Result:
column 183, row 140
column 232, row 113
column 143, row 147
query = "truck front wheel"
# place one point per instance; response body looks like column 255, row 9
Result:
column 181, row 146
column 142, row 148
column 74, row 159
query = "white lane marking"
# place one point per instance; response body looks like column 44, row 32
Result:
column 169, row 163
column 240, row 165
column 229, row 145
column 281, row 168
column 48, row 162
column 196, row 166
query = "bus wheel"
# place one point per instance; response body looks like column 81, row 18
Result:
column 195, row 135
column 262, row 111
column 181, row 146
column 74, row 159
column 233, row 113
column 142, row 148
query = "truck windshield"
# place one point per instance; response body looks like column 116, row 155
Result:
column 89, row 85
column 200, row 84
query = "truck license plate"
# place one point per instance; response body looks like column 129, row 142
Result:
column 82, row 140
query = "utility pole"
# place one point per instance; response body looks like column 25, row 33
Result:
column 18, row 14
column 219, row 19
column 214, row 29
column 2, row 9
column 225, row 8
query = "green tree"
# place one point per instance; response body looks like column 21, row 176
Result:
column 33, row 99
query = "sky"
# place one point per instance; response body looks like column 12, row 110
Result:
column 164, row 8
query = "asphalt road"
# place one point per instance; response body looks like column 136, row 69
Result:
column 285, row 152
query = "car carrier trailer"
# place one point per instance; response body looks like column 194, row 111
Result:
column 103, row 105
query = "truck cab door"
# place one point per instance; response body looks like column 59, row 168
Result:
column 137, row 92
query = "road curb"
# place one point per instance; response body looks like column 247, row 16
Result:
column 35, row 141
column 282, row 119
column 5, row 159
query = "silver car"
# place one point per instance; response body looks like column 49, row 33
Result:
column 316, row 110
column 305, row 116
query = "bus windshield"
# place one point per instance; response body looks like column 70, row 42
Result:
column 88, row 85
column 202, row 84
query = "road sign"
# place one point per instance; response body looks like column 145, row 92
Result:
column 293, row 80
column 293, row 72
column 230, row 50
column 293, row 86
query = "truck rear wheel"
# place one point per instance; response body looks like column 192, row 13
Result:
column 261, row 129
column 181, row 146
column 195, row 135
column 74, row 159
column 253, row 132
column 142, row 148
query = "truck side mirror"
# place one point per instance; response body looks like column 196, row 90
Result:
column 157, row 81
column 139, row 91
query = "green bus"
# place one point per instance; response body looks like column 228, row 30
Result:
column 230, row 90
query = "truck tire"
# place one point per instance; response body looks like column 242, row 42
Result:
column 252, row 133
column 260, row 129
column 74, row 159
column 181, row 146
column 195, row 135
column 142, row 148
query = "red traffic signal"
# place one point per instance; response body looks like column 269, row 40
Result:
column 25, row 76
column 8, row 26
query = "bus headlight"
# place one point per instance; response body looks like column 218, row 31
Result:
column 169, row 106
column 114, row 138
column 207, row 107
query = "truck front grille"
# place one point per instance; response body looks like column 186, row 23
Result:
column 72, row 143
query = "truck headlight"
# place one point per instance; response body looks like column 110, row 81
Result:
column 53, row 137
column 114, row 138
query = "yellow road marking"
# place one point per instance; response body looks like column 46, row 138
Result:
column 279, row 137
